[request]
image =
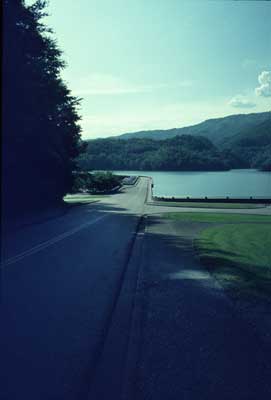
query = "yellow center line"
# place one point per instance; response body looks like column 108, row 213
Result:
column 49, row 242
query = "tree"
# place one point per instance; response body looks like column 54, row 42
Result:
column 41, row 132
column 180, row 153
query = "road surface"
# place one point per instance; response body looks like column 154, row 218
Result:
column 70, row 313
column 60, row 284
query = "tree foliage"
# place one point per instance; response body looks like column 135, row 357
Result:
column 250, row 148
column 95, row 182
column 180, row 153
column 41, row 132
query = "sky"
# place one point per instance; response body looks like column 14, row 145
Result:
column 159, row 64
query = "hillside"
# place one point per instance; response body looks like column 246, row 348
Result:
column 252, row 146
column 182, row 153
column 218, row 130
column 244, row 142
column 255, row 136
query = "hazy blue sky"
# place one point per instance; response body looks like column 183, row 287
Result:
column 147, row 64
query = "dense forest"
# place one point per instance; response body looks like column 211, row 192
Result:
column 179, row 153
column 252, row 146
column 41, row 132
column 249, row 148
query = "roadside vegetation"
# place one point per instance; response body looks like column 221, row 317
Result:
column 95, row 182
column 236, row 250
column 41, row 130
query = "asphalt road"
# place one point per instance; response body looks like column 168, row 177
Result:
column 61, row 280
column 72, row 292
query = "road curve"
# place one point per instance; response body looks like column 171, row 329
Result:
column 60, row 283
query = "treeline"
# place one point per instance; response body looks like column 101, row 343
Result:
column 250, row 148
column 41, row 132
column 181, row 153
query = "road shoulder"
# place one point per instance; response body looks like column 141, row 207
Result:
column 194, row 342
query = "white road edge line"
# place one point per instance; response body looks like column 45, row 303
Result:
column 50, row 242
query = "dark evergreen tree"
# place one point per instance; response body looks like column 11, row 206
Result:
column 41, row 132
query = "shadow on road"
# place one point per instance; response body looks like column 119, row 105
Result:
column 194, row 343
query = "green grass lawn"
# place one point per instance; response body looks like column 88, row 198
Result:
column 237, row 252
column 207, row 205
column 218, row 217
column 82, row 198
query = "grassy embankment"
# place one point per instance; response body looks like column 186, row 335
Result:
column 236, row 249
column 207, row 205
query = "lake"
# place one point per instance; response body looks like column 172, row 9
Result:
column 233, row 183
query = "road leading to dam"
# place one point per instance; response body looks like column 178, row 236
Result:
column 70, row 317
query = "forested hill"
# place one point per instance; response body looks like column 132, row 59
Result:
column 180, row 153
column 218, row 130
column 250, row 148
column 255, row 136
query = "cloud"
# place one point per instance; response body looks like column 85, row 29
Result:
column 103, row 84
column 240, row 101
column 265, row 84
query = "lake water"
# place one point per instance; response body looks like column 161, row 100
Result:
column 234, row 183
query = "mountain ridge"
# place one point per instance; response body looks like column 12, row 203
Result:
column 244, row 143
column 215, row 129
